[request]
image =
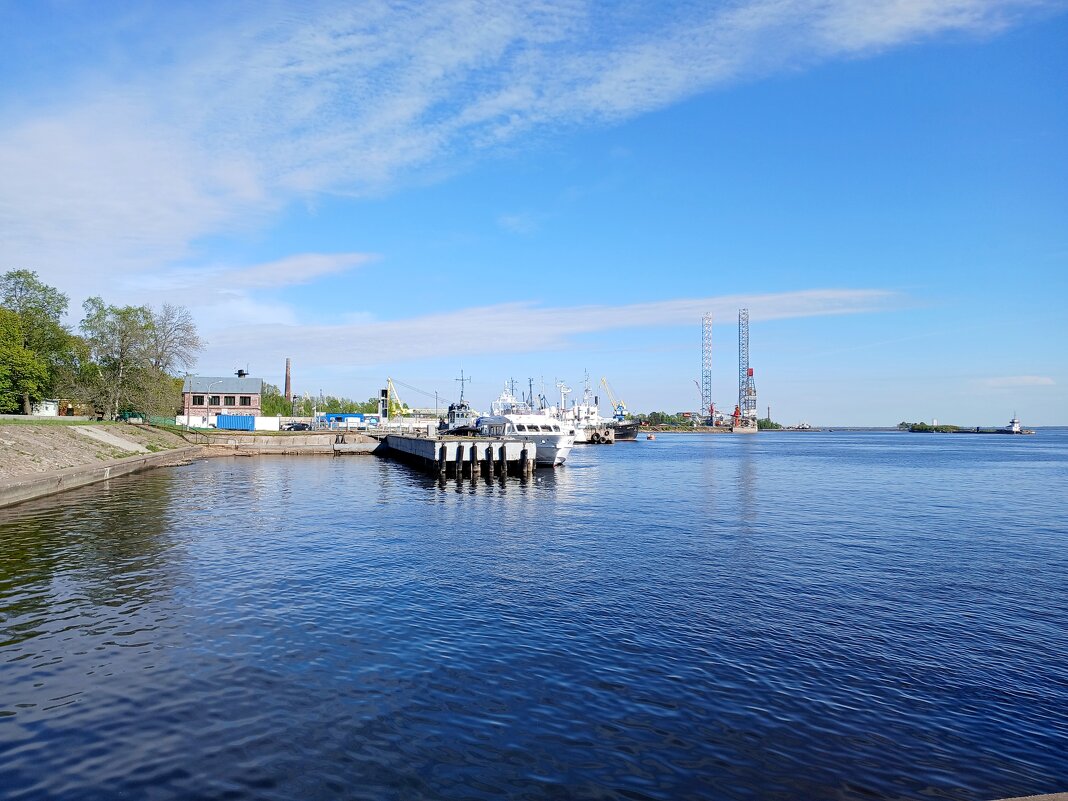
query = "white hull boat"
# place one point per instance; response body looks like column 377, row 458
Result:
column 515, row 420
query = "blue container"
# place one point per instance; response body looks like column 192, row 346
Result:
column 236, row 422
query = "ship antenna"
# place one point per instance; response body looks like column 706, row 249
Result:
column 462, row 381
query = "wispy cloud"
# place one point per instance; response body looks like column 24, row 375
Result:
column 1015, row 381
column 529, row 327
column 271, row 106
column 518, row 223
column 301, row 268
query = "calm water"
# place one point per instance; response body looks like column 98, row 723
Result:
column 790, row 616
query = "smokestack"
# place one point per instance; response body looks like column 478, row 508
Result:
column 289, row 388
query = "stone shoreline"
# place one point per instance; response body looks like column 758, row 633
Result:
column 42, row 458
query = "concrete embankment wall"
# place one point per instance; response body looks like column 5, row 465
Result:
column 27, row 486
column 36, row 485
column 291, row 444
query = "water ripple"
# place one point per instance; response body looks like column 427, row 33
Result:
column 805, row 616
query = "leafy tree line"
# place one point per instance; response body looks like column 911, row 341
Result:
column 122, row 358
column 924, row 428
column 273, row 403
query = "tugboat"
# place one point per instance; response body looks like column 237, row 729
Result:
column 461, row 418
column 1014, row 427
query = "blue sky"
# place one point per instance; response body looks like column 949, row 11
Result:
column 538, row 190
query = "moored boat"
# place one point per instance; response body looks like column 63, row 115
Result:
column 514, row 419
column 583, row 417
column 624, row 430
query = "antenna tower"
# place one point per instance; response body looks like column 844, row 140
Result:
column 706, row 364
column 747, row 400
column 462, row 381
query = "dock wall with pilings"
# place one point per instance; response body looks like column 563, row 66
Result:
column 457, row 457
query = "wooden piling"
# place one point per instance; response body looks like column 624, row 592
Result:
column 442, row 460
column 489, row 461
column 476, row 465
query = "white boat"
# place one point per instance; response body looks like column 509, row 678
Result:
column 515, row 420
column 583, row 417
column 1014, row 427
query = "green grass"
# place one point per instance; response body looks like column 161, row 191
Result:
column 48, row 421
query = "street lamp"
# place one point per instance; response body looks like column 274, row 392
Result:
column 207, row 398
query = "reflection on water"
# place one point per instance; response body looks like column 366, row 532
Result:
column 58, row 555
column 791, row 616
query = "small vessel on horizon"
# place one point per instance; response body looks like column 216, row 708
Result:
column 1014, row 427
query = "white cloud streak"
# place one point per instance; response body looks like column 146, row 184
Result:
column 516, row 327
column 1017, row 381
column 255, row 110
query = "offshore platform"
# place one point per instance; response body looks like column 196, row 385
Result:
column 744, row 419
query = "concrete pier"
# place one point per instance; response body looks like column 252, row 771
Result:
column 460, row 457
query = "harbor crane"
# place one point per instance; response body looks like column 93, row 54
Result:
column 391, row 405
column 619, row 408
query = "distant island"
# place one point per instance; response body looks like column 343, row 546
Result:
column 1012, row 428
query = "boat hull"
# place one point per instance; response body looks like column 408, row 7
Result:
column 550, row 442
column 625, row 431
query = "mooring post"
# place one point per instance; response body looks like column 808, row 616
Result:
column 503, row 456
column 489, row 461
column 442, row 460
column 523, row 462
column 475, row 464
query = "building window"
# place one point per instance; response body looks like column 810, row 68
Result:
column 246, row 400
column 213, row 401
column 198, row 400
column 229, row 400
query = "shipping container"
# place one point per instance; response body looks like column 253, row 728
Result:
column 236, row 422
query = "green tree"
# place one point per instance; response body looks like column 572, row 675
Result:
column 273, row 403
column 118, row 338
column 23, row 374
column 305, row 406
column 39, row 308
column 78, row 377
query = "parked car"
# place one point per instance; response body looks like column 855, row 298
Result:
column 297, row 427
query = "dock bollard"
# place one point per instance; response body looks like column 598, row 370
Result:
column 442, row 460
column 503, row 464
column 524, row 461
column 489, row 461
column 459, row 461
column 476, row 465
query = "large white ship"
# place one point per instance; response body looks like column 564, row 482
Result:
column 514, row 419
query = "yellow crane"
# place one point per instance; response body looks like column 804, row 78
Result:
column 394, row 406
column 619, row 408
